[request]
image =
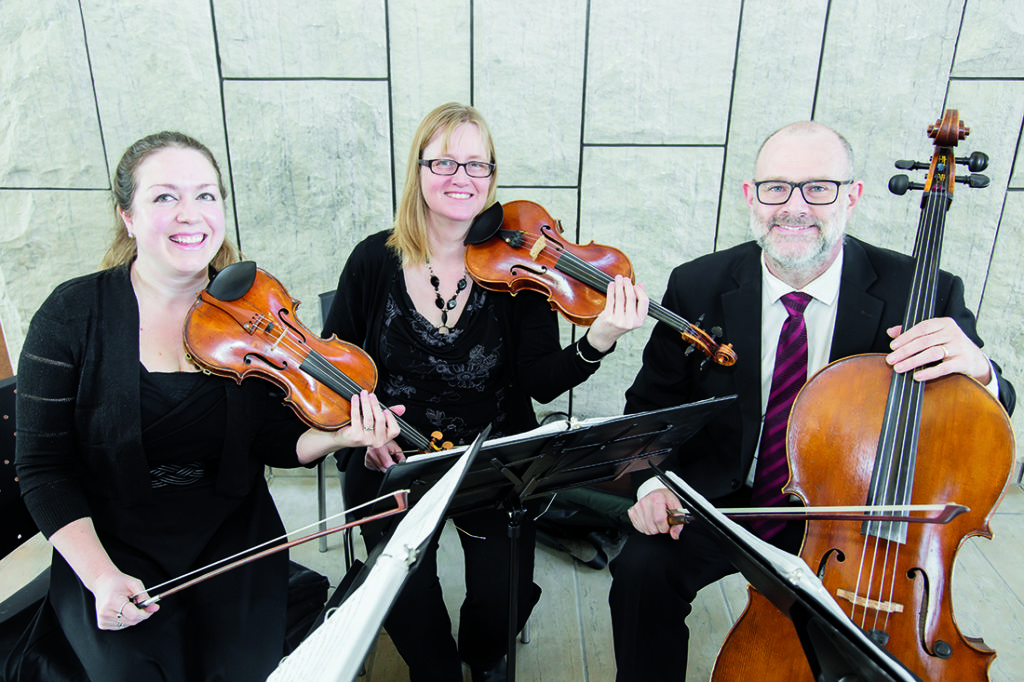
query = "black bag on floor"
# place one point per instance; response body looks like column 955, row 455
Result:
column 307, row 594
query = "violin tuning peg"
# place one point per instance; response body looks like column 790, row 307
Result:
column 976, row 162
column 716, row 332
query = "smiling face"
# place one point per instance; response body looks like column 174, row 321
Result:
column 177, row 213
column 455, row 199
column 801, row 240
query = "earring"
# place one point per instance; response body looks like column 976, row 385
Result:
column 131, row 235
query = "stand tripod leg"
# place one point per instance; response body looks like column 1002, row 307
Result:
column 515, row 519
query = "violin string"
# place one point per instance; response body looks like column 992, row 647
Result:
column 317, row 361
column 249, row 550
column 599, row 280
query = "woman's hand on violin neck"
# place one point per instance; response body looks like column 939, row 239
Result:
column 935, row 348
column 625, row 310
column 370, row 425
column 650, row 514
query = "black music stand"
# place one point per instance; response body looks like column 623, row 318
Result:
column 369, row 590
column 509, row 471
column 836, row 649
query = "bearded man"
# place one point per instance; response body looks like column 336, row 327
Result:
column 802, row 278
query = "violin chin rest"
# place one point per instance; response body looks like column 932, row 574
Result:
column 486, row 224
column 233, row 282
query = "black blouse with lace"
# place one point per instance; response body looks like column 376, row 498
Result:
column 454, row 382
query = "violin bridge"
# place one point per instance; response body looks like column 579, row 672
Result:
column 538, row 248
column 857, row 600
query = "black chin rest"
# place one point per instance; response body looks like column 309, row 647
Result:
column 233, row 282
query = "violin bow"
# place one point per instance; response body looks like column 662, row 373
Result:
column 242, row 558
column 946, row 513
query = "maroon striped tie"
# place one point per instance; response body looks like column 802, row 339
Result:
column 789, row 375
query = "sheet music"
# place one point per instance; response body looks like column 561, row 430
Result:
column 791, row 568
column 336, row 650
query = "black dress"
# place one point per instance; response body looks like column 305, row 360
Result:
column 454, row 382
column 228, row 628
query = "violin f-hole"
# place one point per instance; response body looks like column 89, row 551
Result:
column 517, row 269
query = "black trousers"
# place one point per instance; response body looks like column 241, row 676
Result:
column 418, row 622
column 654, row 582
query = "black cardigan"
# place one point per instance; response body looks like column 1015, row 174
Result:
column 78, row 414
column 538, row 366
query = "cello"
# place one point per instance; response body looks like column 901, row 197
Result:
column 861, row 433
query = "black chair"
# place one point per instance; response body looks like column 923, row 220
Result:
column 326, row 299
column 18, row 526
column 42, row 649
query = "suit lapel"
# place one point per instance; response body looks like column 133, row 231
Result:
column 741, row 308
column 859, row 314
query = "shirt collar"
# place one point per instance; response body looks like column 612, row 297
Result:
column 825, row 288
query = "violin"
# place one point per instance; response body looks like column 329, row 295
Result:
column 244, row 324
column 519, row 246
column 861, row 432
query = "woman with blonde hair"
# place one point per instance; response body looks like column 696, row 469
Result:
column 458, row 357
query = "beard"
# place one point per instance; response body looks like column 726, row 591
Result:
column 803, row 256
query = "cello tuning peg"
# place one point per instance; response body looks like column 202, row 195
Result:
column 903, row 164
column 977, row 161
column 974, row 180
column 899, row 184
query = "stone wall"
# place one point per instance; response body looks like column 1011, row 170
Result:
column 634, row 123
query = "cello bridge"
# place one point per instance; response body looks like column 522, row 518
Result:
column 857, row 600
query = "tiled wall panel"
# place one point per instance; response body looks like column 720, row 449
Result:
column 633, row 123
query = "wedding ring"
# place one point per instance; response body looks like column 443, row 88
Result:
column 120, row 624
column 945, row 353
column 367, row 428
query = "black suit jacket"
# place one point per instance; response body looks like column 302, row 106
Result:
column 725, row 287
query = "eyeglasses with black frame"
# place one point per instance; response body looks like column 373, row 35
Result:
column 814, row 192
column 474, row 169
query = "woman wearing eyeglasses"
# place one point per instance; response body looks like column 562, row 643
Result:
column 459, row 358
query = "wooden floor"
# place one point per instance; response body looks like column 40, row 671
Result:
column 570, row 633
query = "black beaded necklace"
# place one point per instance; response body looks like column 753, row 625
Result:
column 443, row 306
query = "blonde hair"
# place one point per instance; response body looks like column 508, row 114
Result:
column 123, row 248
column 409, row 238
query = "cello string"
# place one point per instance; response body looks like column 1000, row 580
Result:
column 894, row 431
column 908, row 395
column 929, row 257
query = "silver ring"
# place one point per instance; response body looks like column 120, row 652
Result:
column 367, row 428
column 945, row 353
column 120, row 624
